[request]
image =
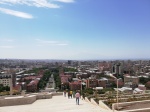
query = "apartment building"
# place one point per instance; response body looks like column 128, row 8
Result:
column 7, row 80
column 131, row 81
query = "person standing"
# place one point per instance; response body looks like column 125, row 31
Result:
column 77, row 95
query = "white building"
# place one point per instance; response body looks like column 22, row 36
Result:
column 6, row 80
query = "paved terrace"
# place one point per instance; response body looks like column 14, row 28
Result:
column 56, row 104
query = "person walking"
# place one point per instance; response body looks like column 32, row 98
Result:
column 71, row 93
column 65, row 93
column 68, row 94
column 77, row 95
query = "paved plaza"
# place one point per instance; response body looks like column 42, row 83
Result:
column 56, row 104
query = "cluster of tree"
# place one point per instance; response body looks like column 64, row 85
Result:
column 44, row 79
column 4, row 88
column 88, row 91
column 143, row 80
column 55, row 72
column 47, row 74
column 34, row 70
column 70, row 70
column 103, row 91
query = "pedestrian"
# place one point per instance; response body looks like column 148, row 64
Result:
column 65, row 93
column 73, row 94
column 77, row 95
column 70, row 93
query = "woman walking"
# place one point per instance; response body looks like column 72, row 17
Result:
column 77, row 95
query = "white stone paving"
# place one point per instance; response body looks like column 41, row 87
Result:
column 56, row 104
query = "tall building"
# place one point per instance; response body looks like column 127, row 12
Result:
column 7, row 80
column 69, row 62
column 116, row 69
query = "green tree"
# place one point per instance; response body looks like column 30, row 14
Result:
column 143, row 80
column 1, row 88
column 41, row 84
column 7, row 88
column 88, row 91
column 70, row 70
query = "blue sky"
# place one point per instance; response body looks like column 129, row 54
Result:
column 75, row 29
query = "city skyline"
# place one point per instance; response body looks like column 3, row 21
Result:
column 74, row 29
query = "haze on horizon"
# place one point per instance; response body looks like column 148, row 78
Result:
column 74, row 29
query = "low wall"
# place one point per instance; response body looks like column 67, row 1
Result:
column 122, row 105
column 43, row 95
column 17, row 100
column 93, row 102
column 87, row 100
column 57, row 93
column 102, row 105
column 26, row 99
column 138, row 110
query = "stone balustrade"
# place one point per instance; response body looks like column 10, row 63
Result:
column 126, row 104
column 17, row 100
column 25, row 99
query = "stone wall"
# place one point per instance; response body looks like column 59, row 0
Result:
column 139, row 110
column 17, row 101
column 25, row 99
column 101, row 104
column 57, row 93
column 93, row 102
column 43, row 95
column 125, row 104
column 104, row 106
column 87, row 100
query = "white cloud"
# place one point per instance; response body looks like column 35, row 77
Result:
column 7, row 47
column 16, row 13
column 7, row 40
column 47, row 42
column 62, row 44
column 66, row 1
column 36, row 3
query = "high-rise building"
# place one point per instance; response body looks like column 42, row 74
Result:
column 116, row 69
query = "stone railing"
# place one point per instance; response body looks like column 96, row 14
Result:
column 43, row 95
column 10, row 101
column 57, row 93
column 93, row 102
column 25, row 99
column 126, row 104
column 101, row 104
column 87, row 100
column 138, row 110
